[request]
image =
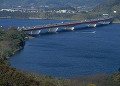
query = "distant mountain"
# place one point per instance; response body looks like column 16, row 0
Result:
column 50, row 3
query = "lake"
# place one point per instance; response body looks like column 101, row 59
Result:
column 83, row 51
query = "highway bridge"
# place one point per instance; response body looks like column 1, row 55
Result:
column 66, row 25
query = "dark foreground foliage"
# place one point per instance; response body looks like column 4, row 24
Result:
column 10, row 76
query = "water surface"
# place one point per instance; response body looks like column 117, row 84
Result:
column 65, row 53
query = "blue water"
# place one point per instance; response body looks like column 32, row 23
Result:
column 26, row 22
column 66, row 53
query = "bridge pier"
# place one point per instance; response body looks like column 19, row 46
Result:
column 52, row 29
column 105, row 22
column 91, row 25
column 34, row 32
column 68, row 28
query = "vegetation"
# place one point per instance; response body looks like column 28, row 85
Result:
column 10, row 41
column 9, row 76
column 17, row 15
column 67, row 16
column 51, row 15
column 111, row 7
column 50, row 3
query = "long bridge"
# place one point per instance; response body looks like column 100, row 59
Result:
column 66, row 25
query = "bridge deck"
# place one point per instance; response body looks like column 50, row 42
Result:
column 65, row 24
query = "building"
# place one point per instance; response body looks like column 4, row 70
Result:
column 10, row 10
column 20, row 9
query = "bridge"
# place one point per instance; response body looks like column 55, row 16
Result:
column 66, row 25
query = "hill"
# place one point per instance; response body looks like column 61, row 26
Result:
column 50, row 3
column 111, row 7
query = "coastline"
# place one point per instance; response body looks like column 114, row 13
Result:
column 115, row 22
column 11, row 43
column 51, row 19
column 5, row 18
column 38, row 18
column 14, row 52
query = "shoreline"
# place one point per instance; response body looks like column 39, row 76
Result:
column 53, row 19
column 16, row 51
column 114, row 22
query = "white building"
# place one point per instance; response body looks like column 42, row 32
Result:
column 62, row 11
column 10, row 10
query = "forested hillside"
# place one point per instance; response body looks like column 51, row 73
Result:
column 111, row 7
column 50, row 3
column 10, row 42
